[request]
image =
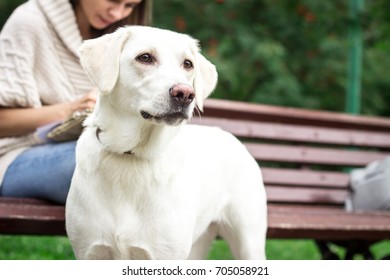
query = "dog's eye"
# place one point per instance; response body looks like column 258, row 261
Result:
column 188, row 64
column 145, row 58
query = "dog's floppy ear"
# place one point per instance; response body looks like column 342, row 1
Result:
column 206, row 77
column 100, row 58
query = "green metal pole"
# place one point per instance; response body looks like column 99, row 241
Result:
column 355, row 57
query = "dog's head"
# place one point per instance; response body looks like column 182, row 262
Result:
column 158, row 75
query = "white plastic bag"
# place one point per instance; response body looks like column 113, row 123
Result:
column 370, row 187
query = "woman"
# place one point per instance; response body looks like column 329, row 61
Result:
column 42, row 81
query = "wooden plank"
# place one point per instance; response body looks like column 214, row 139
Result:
column 299, row 133
column 333, row 224
column 299, row 195
column 265, row 113
column 20, row 218
column 24, row 201
column 293, row 177
column 20, row 210
column 303, row 209
column 310, row 155
column 32, row 227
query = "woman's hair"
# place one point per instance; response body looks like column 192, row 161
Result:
column 141, row 15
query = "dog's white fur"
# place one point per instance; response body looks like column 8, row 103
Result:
column 179, row 186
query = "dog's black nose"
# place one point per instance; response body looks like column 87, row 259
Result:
column 182, row 94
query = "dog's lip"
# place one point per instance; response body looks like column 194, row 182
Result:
column 172, row 115
column 146, row 115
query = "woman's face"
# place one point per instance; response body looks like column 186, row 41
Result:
column 102, row 13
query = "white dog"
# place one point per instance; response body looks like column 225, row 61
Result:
column 147, row 186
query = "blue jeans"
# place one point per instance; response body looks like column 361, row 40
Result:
column 43, row 171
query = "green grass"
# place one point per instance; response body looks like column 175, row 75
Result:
column 35, row 248
column 58, row 248
column 275, row 250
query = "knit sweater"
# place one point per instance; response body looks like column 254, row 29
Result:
column 39, row 64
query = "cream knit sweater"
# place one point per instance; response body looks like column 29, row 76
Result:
column 39, row 64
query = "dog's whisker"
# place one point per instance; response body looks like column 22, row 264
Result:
column 197, row 110
column 146, row 115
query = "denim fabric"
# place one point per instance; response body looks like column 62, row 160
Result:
column 43, row 171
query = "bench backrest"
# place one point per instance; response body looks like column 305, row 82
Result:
column 305, row 155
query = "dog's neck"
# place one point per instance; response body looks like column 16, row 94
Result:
column 131, row 135
column 97, row 134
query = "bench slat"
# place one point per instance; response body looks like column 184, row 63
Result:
column 309, row 178
column 295, row 195
column 309, row 155
column 44, row 219
column 24, row 201
column 327, row 223
column 268, row 113
column 298, row 133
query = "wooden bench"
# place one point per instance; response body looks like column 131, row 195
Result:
column 305, row 157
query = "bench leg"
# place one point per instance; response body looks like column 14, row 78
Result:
column 356, row 248
column 326, row 252
column 353, row 248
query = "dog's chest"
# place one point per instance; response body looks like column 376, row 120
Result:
column 156, row 227
column 150, row 207
column 155, row 216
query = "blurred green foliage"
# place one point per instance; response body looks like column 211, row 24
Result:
column 289, row 53
column 6, row 7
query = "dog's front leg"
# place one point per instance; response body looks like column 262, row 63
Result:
column 99, row 251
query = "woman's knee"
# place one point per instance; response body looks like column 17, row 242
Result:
column 42, row 172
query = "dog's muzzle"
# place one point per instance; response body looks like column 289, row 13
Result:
column 181, row 96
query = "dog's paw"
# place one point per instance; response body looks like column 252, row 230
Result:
column 136, row 253
column 99, row 251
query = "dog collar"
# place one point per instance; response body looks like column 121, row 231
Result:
column 97, row 133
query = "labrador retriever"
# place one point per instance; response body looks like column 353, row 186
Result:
column 147, row 185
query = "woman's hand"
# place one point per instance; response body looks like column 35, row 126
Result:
column 88, row 101
column 21, row 121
